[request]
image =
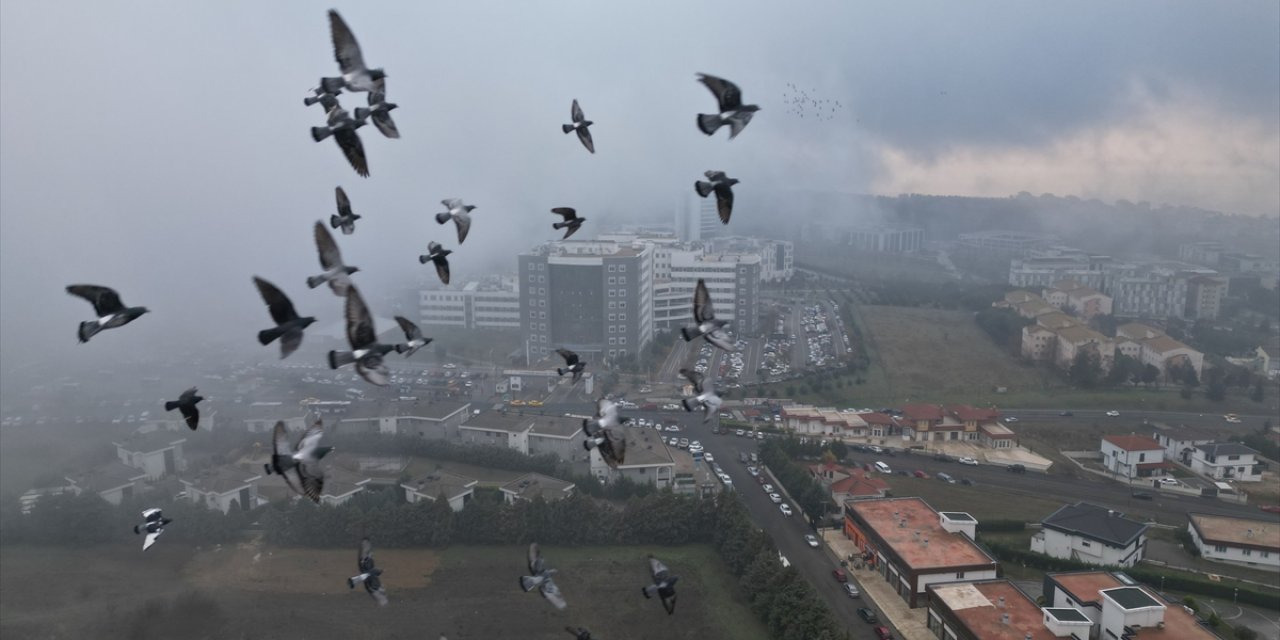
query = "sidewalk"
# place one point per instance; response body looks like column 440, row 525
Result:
column 909, row 622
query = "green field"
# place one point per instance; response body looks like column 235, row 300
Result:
column 978, row 501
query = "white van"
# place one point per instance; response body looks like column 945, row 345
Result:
column 883, row 468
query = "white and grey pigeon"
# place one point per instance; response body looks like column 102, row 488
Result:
column 664, row 585
column 380, row 110
column 289, row 325
column 707, row 324
column 604, row 433
column 704, row 394
column 345, row 218
column 541, row 578
column 106, row 303
column 722, row 185
column 186, row 405
column 326, row 99
column 337, row 274
column 154, row 525
column 369, row 574
column 303, row 460
column 366, row 352
column 580, row 124
column 439, row 256
column 571, row 221
column 572, row 364
column 460, row 214
column 343, row 127
column 732, row 111
column 413, row 335
column 346, row 51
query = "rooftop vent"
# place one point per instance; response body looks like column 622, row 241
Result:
column 1004, row 618
column 1001, row 602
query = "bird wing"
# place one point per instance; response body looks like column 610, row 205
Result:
column 607, row 411
column 280, row 441
column 411, row 330
column 552, row 593
column 724, row 202
column 344, row 204
column 374, row 370
column 727, row 93
column 463, row 220
column 585, row 136
column 374, row 586
column 442, row 268
column 702, row 309
column 694, row 378
column 277, row 303
column 738, row 122
column 151, row 539
column 360, row 331
column 353, row 149
column 312, row 481
column 192, row 415
column 152, row 515
column 382, row 120
column 657, row 570
column 570, row 358
column 575, row 112
column 568, row 213
column 715, row 176
column 345, row 48
column 188, row 395
column 669, row 603
column 452, row 203
column 309, row 441
column 105, row 300
column 378, row 94
column 618, row 444
column 535, row 559
column 330, row 256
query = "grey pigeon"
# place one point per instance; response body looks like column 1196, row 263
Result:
column 153, row 527
column 380, row 110
column 581, row 633
column 326, row 99
column 541, row 578
column 571, row 221
column 366, row 352
column 723, row 186
column 580, row 124
column 343, row 129
column 303, row 460
column 704, row 394
column 335, row 273
column 459, row 213
column 106, row 303
column 345, row 218
column 572, row 363
column 289, row 325
column 664, row 585
column 438, row 255
column 604, row 433
column 413, row 335
column 369, row 574
column 708, row 326
column 355, row 76
column 186, row 405
column 732, row 111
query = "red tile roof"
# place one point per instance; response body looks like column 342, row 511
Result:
column 922, row 411
column 860, row 485
column 877, row 418
column 966, row 412
column 1133, row 443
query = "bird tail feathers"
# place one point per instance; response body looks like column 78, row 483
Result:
column 529, row 583
column 88, row 329
column 361, row 113
column 649, row 591
column 559, row 371
column 335, row 222
column 688, row 406
column 708, row 123
column 704, row 189
column 424, row 259
column 559, row 225
column 331, row 85
column 320, row 133
column 137, row 529
column 170, row 405
column 688, row 334
column 340, row 358
column 266, row 467
column 443, row 217
column 567, row 127
column 315, row 281
column 266, row 336
column 310, row 100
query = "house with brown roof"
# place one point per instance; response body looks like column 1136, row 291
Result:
column 456, row 489
column 859, row 485
column 1133, row 456
column 1151, row 346
column 536, row 485
column 1117, row 606
column 989, row 610
column 1252, row 542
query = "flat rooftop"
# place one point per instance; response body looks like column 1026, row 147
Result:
column 645, row 447
column 1259, row 533
column 896, row 521
column 979, row 606
column 560, row 426
column 509, row 421
column 1131, row 597
column 1085, row 587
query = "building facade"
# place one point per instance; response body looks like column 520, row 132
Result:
column 490, row 303
column 1088, row 533
column 1226, row 461
column 1133, row 457
column 1242, row 541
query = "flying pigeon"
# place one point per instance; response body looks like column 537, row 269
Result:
column 343, row 129
column 303, row 460
column 366, row 352
column 106, row 303
column 335, row 273
column 723, row 186
column 704, row 394
column 186, row 404
column 571, row 221
column 380, row 110
column 460, row 213
column 355, row 76
column 572, row 364
column 153, row 527
column 604, row 433
column 288, row 325
column 414, row 336
column 438, row 255
column 346, row 218
column 708, row 326
column 579, row 634
column 664, row 585
column 326, row 99
column 580, row 124
column 541, row 578
column 732, row 111
column 368, row 574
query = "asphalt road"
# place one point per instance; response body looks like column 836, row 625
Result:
column 1131, row 418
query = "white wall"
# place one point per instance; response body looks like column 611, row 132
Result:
column 1241, row 468
column 1071, row 547
column 1235, row 555
column 926, row 579
column 1125, row 463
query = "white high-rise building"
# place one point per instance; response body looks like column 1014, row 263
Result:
column 490, row 303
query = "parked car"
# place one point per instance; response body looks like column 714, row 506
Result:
column 740, row 433
column 851, row 590
column 946, row 477
column 768, row 488
column 1270, row 508
column 882, row 633
column 742, row 457
column 966, row 482
column 1016, row 468
column 868, row 615
column 673, row 442
column 1142, row 495
column 753, row 471
column 967, row 460
column 1113, row 414
column 777, row 499
column 840, row 575
column 785, row 509
column 1066, row 414
column 811, row 540
column 1011, row 419
column 1168, row 480
column 920, row 474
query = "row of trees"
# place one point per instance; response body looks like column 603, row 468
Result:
column 807, row 492
column 479, row 455
column 70, row 520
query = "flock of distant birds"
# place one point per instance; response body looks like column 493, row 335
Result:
column 800, row 103
column 298, row 463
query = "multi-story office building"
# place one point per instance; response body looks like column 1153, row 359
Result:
column 886, row 238
column 733, row 280
column 777, row 257
column 709, row 225
column 1043, row 269
column 1204, row 296
column 491, row 303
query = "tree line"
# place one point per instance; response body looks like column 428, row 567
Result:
column 808, row 493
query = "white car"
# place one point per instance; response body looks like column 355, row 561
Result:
column 777, row 499
column 673, row 442
column 693, row 449
column 768, row 488
column 785, row 509
column 753, row 471
column 811, row 540
column 451, row 366
column 1173, row 481
column 739, row 433
column 1113, row 414
column 709, row 457
column 695, row 443
column 675, row 428
column 967, row 460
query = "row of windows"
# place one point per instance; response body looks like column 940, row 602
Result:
column 618, row 280
column 621, row 268
column 537, row 266
column 617, row 316
column 622, row 340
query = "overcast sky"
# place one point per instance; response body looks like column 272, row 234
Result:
column 162, row 148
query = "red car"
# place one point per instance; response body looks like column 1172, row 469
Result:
column 882, row 633
column 840, row 575
column 921, row 474
column 1270, row 508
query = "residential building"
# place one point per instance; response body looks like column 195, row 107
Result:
column 1157, row 292
column 342, row 484
column 158, row 453
column 1180, row 442
column 1203, row 253
column 988, row 610
column 1247, row 541
column 709, row 224
column 224, row 489
column 805, row 420
column 457, row 490
column 886, row 238
column 1151, row 346
column 1226, row 461
column 959, row 422
column 560, row 436
column 732, row 279
column 846, row 484
column 1078, row 300
column 29, row 499
column 490, row 303
column 1043, row 267
column 261, row 417
column 1115, row 604
column 498, row 429
column 432, row 419
column 1204, row 297
column 648, row 461
column 688, row 226
column 912, row 546
column 1004, row 242
column 114, row 481
column 1088, row 533
column 1268, row 356
column 777, row 257
column 535, row 485
column 1132, row 457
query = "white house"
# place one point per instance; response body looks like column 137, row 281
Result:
column 498, row 429
column 1088, row 533
column 532, row 485
column 224, row 489
column 1133, row 457
column 158, row 453
column 1179, row 443
column 261, row 417
column 114, row 481
column 341, row 484
column 1226, row 461
column 1112, row 602
column 648, row 461
column 1236, row 540
column 457, row 490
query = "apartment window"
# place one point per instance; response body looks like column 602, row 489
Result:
column 1248, row 552
column 612, row 329
column 622, row 304
column 1085, row 543
column 613, row 305
column 622, row 268
column 542, row 278
column 1142, row 457
column 542, row 266
column 542, row 303
column 613, row 280
column 542, row 291
column 533, row 314
column 1265, row 554
column 542, row 315
column 1220, row 548
column 613, row 341
column 532, row 278
column 623, row 340
column 622, row 316
column 622, row 279
column 622, row 352
column 959, row 575
column 612, row 316
column 531, row 266
column 612, row 268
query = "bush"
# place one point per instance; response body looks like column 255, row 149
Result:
column 1245, row 633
